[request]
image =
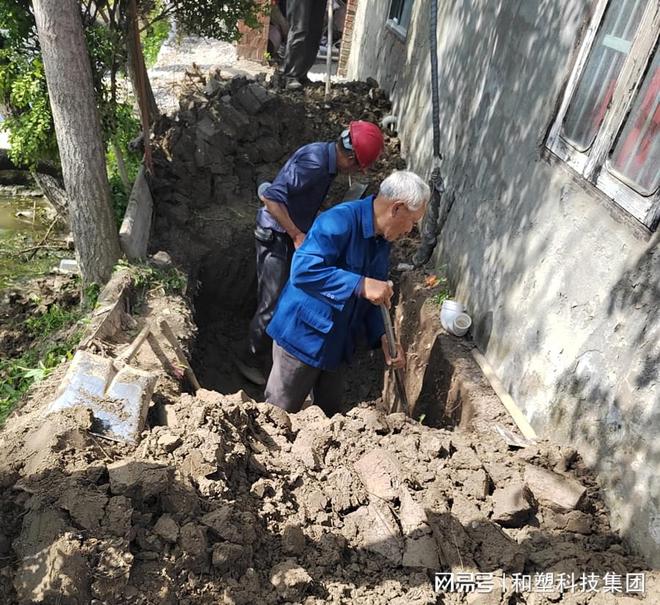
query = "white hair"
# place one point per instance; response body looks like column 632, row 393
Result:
column 407, row 187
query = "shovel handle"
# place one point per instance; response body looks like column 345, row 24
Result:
column 389, row 331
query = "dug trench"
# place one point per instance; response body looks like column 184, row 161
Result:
column 229, row 500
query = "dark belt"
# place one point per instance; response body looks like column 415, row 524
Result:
column 267, row 235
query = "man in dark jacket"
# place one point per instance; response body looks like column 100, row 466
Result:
column 338, row 279
column 291, row 203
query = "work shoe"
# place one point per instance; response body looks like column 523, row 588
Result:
column 293, row 84
column 248, row 365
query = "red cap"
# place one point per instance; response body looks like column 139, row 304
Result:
column 367, row 142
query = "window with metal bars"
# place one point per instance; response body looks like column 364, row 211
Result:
column 608, row 125
column 399, row 16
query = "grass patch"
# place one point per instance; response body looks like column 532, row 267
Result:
column 55, row 318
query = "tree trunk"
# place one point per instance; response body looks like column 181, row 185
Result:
column 78, row 130
column 54, row 192
column 132, row 51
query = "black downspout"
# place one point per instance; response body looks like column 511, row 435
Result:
column 431, row 226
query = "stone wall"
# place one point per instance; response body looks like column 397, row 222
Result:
column 562, row 285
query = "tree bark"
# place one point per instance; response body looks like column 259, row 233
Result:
column 132, row 50
column 78, row 130
column 54, row 192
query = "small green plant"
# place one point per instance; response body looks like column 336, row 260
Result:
column 147, row 278
column 441, row 297
column 439, row 281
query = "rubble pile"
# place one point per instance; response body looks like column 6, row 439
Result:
column 239, row 502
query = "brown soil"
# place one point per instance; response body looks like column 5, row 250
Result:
column 227, row 500
column 239, row 502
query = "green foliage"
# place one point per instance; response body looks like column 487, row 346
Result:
column 30, row 123
column 23, row 91
column 154, row 35
column 126, row 128
column 215, row 18
column 442, row 283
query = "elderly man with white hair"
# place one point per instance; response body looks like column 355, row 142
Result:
column 338, row 279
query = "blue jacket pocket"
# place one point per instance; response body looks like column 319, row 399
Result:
column 315, row 320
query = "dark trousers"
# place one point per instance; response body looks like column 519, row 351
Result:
column 305, row 29
column 274, row 254
column 291, row 380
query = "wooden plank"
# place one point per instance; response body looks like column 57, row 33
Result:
column 506, row 399
column 126, row 355
column 178, row 351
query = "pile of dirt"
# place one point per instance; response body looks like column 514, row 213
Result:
column 239, row 502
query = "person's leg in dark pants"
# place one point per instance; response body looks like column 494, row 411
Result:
column 305, row 26
column 290, row 381
column 328, row 391
column 314, row 33
column 274, row 253
column 273, row 267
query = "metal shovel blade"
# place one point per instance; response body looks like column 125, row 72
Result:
column 355, row 191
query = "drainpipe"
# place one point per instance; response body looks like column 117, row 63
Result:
column 431, row 225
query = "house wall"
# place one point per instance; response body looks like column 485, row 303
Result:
column 563, row 288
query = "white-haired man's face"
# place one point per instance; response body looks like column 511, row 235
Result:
column 399, row 220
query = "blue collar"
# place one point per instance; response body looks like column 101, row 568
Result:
column 368, row 217
column 332, row 158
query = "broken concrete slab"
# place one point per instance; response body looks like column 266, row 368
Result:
column 558, row 492
column 136, row 226
column 118, row 401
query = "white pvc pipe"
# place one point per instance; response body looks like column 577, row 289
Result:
column 388, row 120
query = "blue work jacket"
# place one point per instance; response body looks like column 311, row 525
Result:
column 319, row 316
column 301, row 185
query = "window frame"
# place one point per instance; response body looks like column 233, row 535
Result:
column 392, row 22
column 593, row 164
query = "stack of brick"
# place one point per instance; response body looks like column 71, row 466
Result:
column 254, row 42
column 345, row 50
